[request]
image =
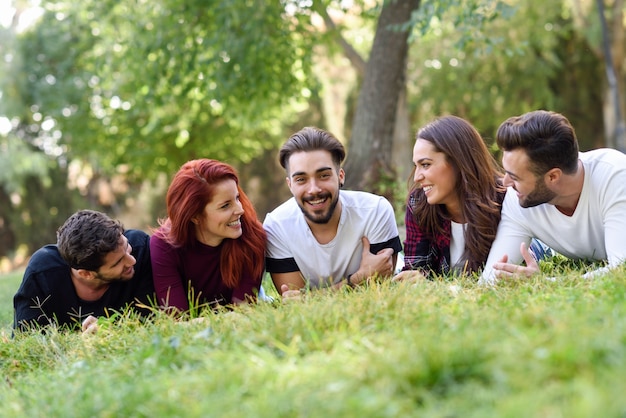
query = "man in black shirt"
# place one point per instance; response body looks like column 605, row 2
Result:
column 95, row 269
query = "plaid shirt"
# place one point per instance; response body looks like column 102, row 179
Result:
column 431, row 256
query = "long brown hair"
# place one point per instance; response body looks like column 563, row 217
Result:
column 191, row 190
column 478, row 187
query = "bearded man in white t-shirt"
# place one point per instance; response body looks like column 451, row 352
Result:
column 575, row 202
column 321, row 237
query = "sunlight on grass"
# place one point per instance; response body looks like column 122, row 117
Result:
column 443, row 348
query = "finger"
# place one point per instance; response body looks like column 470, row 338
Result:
column 90, row 320
column 529, row 258
column 388, row 252
column 284, row 288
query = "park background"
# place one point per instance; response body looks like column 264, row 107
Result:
column 103, row 100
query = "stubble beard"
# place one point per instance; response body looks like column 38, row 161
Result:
column 322, row 218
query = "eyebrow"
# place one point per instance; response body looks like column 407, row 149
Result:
column 512, row 175
column 421, row 160
column 319, row 170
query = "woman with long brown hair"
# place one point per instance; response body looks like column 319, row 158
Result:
column 211, row 247
column 454, row 202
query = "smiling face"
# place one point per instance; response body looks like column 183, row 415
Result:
column 119, row 264
column 314, row 182
column 221, row 217
column 531, row 190
column 435, row 175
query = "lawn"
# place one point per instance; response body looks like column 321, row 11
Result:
column 8, row 286
column 433, row 349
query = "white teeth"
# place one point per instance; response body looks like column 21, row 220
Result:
column 316, row 202
column 427, row 188
column 234, row 223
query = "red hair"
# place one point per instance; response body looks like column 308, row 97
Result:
column 192, row 188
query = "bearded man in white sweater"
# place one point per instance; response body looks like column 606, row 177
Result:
column 575, row 202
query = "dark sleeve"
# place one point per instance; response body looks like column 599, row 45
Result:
column 168, row 282
column 282, row 265
column 394, row 243
column 35, row 303
column 29, row 304
column 417, row 249
column 143, row 291
column 248, row 288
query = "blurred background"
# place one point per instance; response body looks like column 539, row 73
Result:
column 101, row 101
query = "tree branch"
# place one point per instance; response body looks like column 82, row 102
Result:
column 355, row 58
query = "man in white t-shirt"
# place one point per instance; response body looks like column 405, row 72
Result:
column 321, row 237
column 575, row 202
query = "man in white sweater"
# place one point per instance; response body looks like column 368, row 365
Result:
column 575, row 202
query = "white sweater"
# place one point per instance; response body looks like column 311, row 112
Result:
column 595, row 231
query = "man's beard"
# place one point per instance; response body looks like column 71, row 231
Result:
column 114, row 279
column 540, row 195
column 324, row 217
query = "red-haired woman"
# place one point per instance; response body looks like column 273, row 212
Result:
column 210, row 249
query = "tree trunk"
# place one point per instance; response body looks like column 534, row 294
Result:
column 612, row 42
column 369, row 163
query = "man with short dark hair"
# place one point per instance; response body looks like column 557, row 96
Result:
column 575, row 202
column 322, row 237
column 95, row 268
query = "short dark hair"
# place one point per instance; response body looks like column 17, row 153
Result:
column 548, row 139
column 312, row 139
column 87, row 237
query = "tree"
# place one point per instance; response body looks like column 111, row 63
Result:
column 369, row 158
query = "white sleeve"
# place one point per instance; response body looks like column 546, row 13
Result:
column 385, row 227
column 615, row 225
column 511, row 233
column 277, row 246
column 614, row 215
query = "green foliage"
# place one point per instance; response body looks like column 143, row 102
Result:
column 504, row 61
column 147, row 85
column 443, row 348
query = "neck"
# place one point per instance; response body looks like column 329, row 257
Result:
column 325, row 233
column 571, row 188
column 88, row 288
column 454, row 211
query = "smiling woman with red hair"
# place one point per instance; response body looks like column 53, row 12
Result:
column 210, row 249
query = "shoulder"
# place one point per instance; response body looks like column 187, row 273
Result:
column 285, row 213
column 603, row 159
column 363, row 200
column 46, row 258
column 137, row 237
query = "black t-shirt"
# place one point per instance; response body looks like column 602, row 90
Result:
column 47, row 294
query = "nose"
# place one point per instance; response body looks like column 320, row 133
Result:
column 418, row 176
column 131, row 260
column 239, row 209
column 313, row 187
column 506, row 181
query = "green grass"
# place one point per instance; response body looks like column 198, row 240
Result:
column 9, row 284
column 435, row 349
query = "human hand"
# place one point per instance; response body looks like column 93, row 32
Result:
column 504, row 269
column 290, row 295
column 90, row 325
column 380, row 263
column 409, row 276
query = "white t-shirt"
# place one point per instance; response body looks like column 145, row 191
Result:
column 457, row 243
column 595, row 231
column 290, row 239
